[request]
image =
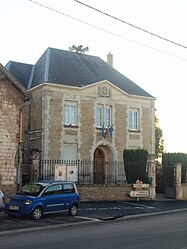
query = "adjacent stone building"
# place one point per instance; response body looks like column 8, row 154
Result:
column 84, row 109
column 12, row 100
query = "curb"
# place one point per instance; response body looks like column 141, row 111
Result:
column 153, row 214
column 43, row 228
column 89, row 221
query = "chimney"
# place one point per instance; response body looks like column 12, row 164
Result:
column 110, row 59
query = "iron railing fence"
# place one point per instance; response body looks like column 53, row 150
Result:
column 169, row 173
column 88, row 172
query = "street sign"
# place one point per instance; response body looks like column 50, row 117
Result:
column 140, row 190
column 138, row 193
column 144, row 185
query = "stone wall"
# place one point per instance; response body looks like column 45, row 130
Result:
column 48, row 115
column 181, row 188
column 120, row 114
column 147, row 129
column 119, row 192
column 86, row 127
column 104, row 193
column 181, row 192
column 10, row 106
column 35, row 122
column 55, row 126
column 107, row 193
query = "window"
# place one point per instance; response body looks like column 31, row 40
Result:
column 133, row 119
column 71, row 114
column 53, row 190
column 99, row 115
column 68, row 188
column 103, row 116
column 107, row 121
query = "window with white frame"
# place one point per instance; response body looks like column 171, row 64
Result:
column 103, row 116
column 70, row 113
column 134, row 119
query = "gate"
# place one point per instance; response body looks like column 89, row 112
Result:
column 170, row 181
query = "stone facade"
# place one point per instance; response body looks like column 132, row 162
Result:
column 55, row 140
column 82, row 109
column 50, row 135
column 12, row 99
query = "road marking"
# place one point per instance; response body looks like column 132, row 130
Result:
column 104, row 208
column 133, row 206
column 87, row 218
column 139, row 205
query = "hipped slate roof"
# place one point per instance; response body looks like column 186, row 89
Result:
column 72, row 69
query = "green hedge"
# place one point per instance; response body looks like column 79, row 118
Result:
column 169, row 160
column 135, row 164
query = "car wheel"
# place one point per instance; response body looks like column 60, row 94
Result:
column 73, row 210
column 37, row 213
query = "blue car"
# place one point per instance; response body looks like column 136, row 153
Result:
column 38, row 198
column 1, row 201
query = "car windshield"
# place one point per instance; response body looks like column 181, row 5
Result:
column 32, row 189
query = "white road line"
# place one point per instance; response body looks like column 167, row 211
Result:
column 139, row 205
column 87, row 218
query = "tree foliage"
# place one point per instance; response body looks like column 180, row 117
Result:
column 159, row 141
column 170, row 159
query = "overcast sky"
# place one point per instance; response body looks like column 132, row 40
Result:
column 157, row 65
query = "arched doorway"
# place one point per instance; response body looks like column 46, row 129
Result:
column 99, row 166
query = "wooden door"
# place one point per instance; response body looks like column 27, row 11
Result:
column 99, row 162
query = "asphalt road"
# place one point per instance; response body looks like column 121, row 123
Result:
column 90, row 212
column 167, row 231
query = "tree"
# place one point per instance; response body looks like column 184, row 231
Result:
column 159, row 141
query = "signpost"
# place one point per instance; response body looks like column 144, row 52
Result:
column 138, row 193
column 138, row 186
column 141, row 190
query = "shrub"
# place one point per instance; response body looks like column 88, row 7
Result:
column 135, row 164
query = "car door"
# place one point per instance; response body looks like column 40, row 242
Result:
column 69, row 195
column 53, row 200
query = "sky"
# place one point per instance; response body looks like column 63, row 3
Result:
column 157, row 65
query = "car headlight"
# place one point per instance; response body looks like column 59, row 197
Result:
column 28, row 202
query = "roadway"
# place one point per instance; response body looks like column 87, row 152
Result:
column 91, row 212
column 168, row 231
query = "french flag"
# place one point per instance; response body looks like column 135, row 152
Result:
column 110, row 130
column 103, row 131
